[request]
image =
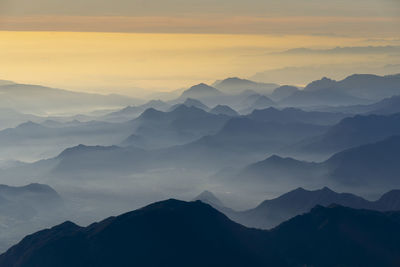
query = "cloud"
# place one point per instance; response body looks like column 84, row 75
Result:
column 351, row 26
column 346, row 50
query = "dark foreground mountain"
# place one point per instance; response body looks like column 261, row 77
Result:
column 176, row 233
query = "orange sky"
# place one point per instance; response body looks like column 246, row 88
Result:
column 123, row 46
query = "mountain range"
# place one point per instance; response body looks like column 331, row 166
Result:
column 373, row 165
column 272, row 212
column 355, row 89
column 236, row 85
column 177, row 233
column 351, row 132
column 43, row 100
column 24, row 209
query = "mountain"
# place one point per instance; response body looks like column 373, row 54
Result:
column 191, row 102
column 34, row 197
column 250, row 136
column 386, row 106
column 352, row 132
column 368, row 166
column 224, row 142
column 9, row 118
column 37, row 99
column 321, row 97
column 283, row 92
column 31, row 141
column 200, row 91
column 374, row 164
column 131, row 112
column 295, row 115
column 156, row 129
column 256, row 101
column 181, row 233
column 323, row 84
column 236, row 85
column 176, row 232
column 6, row 82
column 25, row 209
column 355, row 89
column 370, row 86
column 224, row 110
column 209, row 198
column 272, row 212
column 356, row 237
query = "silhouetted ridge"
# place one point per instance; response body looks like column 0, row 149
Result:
column 177, row 233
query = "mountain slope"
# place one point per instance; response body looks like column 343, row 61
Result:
column 352, row 132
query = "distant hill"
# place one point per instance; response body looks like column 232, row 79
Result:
column 10, row 118
column 37, row 99
column 200, row 91
column 34, row 197
column 251, row 136
column 352, row 132
column 31, row 141
column 272, row 212
column 256, row 101
column 283, row 92
column 372, row 165
column 295, row 115
column 209, row 198
column 156, row 129
column 386, row 106
column 224, row 110
column 236, row 85
column 191, row 102
column 131, row 112
column 24, row 209
column 355, row 89
column 322, row 97
column 176, row 233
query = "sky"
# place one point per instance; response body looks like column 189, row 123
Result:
column 136, row 47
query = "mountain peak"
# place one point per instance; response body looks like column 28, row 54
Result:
column 224, row 110
column 209, row 198
column 200, row 91
column 324, row 83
